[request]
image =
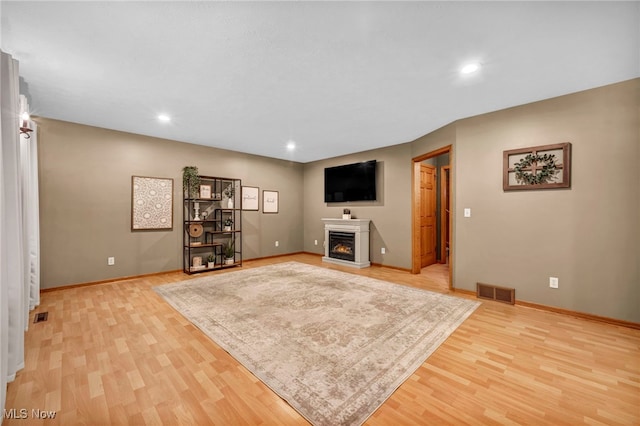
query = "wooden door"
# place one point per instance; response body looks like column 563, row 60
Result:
column 427, row 215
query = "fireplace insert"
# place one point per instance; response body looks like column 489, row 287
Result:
column 342, row 245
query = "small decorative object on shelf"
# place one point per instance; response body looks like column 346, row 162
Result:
column 229, row 192
column 196, row 210
column 205, row 191
column 190, row 181
column 197, row 262
column 195, row 230
column 212, row 227
column 229, row 252
column 346, row 214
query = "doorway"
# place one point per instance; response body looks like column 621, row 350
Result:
column 432, row 243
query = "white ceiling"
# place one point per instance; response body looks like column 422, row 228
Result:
column 335, row 77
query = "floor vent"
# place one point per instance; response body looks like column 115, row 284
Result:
column 41, row 316
column 492, row 292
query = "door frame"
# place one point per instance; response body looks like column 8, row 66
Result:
column 445, row 192
column 415, row 209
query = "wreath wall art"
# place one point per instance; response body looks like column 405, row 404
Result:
column 538, row 167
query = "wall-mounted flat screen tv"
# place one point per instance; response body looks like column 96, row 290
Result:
column 351, row 182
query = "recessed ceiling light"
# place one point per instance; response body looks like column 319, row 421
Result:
column 291, row 145
column 470, row 68
column 164, row 118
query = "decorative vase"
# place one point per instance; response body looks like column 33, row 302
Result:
column 229, row 261
column 210, row 265
column 227, row 228
column 230, row 203
column 196, row 209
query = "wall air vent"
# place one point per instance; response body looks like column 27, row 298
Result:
column 493, row 292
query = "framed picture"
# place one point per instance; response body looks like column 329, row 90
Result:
column 250, row 198
column 151, row 203
column 205, row 191
column 537, row 167
column 269, row 201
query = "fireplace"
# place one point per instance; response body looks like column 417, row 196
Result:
column 342, row 245
column 347, row 242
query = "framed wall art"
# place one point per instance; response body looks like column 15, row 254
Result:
column 537, row 167
column 151, row 203
column 269, row 201
column 205, row 191
column 250, row 198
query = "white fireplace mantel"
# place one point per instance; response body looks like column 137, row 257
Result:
column 360, row 227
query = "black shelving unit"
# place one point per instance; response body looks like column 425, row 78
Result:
column 212, row 221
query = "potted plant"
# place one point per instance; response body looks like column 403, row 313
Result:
column 228, row 224
column 191, row 181
column 228, row 192
column 228, row 249
column 211, row 261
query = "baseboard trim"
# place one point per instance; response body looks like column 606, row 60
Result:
column 274, row 256
column 380, row 265
column 463, row 291
column 312, row 254
column 592, row 317
column 397, row 268
column 612, row 321
column 577, row 314
column 110, row 280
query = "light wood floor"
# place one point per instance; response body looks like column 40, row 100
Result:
column 116, row 353
column 437, row 274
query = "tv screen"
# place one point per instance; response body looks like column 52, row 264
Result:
column 351, row 182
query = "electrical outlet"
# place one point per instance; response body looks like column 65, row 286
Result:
column 277, row 243
column 383, row 250
column 467, row 212
column 111, row 261
column 315, row 242
column 553, row 282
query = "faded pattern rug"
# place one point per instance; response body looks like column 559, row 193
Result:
column 334, row 345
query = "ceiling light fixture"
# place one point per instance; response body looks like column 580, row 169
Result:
column 164, row 118
column 291, row 145
column 470, row 68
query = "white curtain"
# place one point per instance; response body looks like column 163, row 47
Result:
column 30, row 210
column 19, row 247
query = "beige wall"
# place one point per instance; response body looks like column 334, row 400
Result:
column 85, row 201
column 587, row 236
column 390, row 213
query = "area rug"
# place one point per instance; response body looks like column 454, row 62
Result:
column 334, row 345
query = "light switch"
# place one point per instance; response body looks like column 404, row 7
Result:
column 467, row 212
